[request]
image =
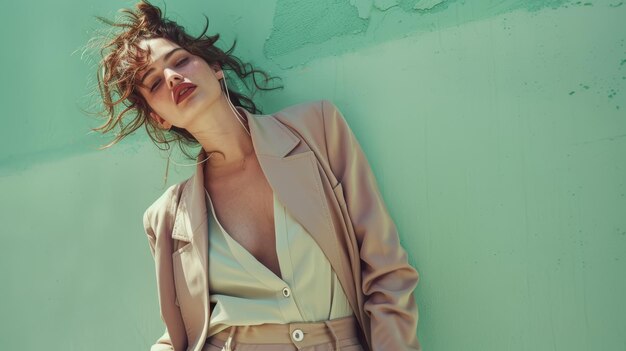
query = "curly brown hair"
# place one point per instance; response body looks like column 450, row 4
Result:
column 123, row 58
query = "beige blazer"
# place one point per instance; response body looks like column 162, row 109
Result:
column 316, row 167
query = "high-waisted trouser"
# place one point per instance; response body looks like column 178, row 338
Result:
column 336, row 334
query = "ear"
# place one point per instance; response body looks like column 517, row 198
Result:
column 163, row 124
column 219, row 74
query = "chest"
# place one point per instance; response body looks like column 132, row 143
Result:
column 244, row 207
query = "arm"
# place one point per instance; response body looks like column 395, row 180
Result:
column 163, row 343
column 388, row 279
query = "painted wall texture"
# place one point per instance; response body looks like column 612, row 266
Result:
column 496, row 130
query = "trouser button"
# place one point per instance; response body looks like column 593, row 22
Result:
column 297, row 335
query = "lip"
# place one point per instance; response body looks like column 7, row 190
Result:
column 177, row 89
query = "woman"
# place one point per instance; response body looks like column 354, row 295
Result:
column 280, row 240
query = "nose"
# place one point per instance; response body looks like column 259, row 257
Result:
column 172, row 77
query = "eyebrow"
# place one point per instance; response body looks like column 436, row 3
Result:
column 167, row 56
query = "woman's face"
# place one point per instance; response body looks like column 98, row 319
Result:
column 169, row 66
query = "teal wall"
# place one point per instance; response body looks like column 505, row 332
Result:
column 501, row 157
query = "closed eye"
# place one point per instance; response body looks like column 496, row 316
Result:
column 155, row 85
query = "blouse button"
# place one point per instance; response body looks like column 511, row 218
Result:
column 286, row 292
column 297, row 335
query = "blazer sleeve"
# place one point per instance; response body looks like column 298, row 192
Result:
column 163, row 343
column 388, row 280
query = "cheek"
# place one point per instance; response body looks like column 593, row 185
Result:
column 201, row 70
column 160, row 97
column 154, row 103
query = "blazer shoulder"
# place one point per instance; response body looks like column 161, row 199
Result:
column 303, row 107
column 309, row 116
column 164, row 205
column 301, row 112
column 318, row 109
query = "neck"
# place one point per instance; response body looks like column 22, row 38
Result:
column 224, row 137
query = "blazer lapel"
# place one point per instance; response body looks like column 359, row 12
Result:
column 295, row 178
column 190, row 225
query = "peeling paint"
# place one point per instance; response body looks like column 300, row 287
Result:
column 427, row 4
column 299, row 23
column 304, row 30
column 534, row 6
column 384, row 5
column 364, row 7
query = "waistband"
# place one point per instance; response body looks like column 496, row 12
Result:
column 341, row 331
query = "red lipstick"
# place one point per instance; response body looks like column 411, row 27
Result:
column 182, row 91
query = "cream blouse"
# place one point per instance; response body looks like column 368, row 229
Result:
column 246, row 292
